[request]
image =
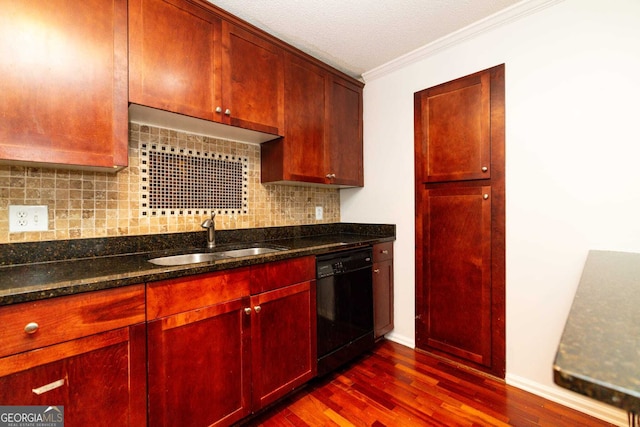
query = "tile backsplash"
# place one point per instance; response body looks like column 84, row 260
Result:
column 85, row 204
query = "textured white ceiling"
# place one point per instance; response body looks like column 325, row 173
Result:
column 356, row 36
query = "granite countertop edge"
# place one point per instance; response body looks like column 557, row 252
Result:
column 36, row 281
column 597, row 354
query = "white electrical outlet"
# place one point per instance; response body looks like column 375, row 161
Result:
column 28, row 218
column 319, row 212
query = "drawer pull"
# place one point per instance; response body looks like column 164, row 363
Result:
column 51, row 386
column 377, row 270
column 31, row 328
column 386, row 252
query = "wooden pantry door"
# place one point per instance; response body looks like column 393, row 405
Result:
column 460, row 220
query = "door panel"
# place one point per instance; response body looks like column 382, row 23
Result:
column 454, row 119
column 203, row 384
column 457, row 272
column 283, row 341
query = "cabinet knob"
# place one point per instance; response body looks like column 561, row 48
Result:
column 31, row 328
column 218, row 109
column 257, row 308
column 247, row 311
column 331, row 175
column 386, row 252
column 484, row 169
column 227, row 112
column 377, row 270
column 485, row 196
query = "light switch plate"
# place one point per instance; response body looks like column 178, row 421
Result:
column 319, row 213
column 28, row 218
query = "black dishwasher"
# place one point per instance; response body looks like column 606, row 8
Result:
column 344, row 301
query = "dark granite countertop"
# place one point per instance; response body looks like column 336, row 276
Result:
column 599, row 353
column 32, row 271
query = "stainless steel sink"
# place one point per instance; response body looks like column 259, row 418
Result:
column 195, row 258
column 237, row 253
column 187, row 259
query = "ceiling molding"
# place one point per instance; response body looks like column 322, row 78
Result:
column 506, row 16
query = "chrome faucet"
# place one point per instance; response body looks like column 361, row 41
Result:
column 210, row 225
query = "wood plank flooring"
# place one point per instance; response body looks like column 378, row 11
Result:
column 396, row 386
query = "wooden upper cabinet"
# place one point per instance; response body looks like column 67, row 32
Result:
column 64, row 83
column 185, row 58
column 344, row 145
column 299, row 156
column 455, row 119
column 173, row 50
column 253, row 81
column 322, row 141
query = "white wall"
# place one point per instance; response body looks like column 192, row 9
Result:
column 572, row 161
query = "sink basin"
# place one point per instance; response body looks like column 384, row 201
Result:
column 236, row 253
column 185, row 259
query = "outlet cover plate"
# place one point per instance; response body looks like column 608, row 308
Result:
column 28, row 218
column 319, row 212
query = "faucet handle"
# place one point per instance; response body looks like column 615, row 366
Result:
column 209, row 222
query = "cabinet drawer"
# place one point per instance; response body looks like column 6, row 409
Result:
column 274, row 275
column 167, row 297
column 382, row 252
column 31, row 325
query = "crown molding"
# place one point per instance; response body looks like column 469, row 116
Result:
column 506, row 16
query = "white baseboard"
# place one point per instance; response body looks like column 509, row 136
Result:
column 401, row 339
column 571, row 400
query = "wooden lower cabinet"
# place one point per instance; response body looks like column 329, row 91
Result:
column 98, row 377
column 217, row 353
column 199, row 366
column 382, row 289
column 283, row 341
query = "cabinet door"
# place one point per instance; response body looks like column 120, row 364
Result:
column 454, row 293
column 199, row 366
column 283, row 341
column 453, row 130
column 382, row 297
column 100, row 380
column 174, row 47
column 64, row 83
column 343, row 147
column 253, row 85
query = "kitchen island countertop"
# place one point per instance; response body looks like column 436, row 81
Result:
column 599, row 353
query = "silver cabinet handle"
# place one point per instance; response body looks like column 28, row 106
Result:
column 386, row 252
column 227, row 112
column 31, row 328
column 484, row 169
column 247, row 311
column 45, row 388
column 218, row 109
column 485, row 196
column 331, row 175
column 257, row 308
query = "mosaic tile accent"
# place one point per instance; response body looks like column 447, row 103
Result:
column 178, row 181
column 86, row 204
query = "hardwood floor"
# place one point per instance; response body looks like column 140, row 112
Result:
column 396, row 386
